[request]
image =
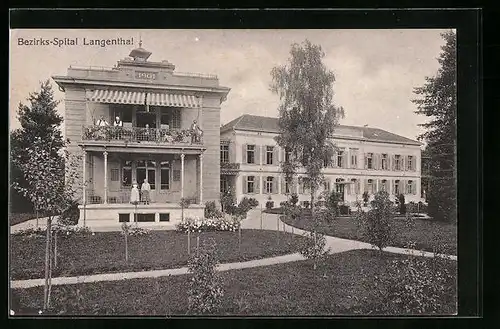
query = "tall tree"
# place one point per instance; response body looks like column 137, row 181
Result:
column 39, row 121
column 307, row 115
column 437, row 100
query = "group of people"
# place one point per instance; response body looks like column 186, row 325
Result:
column 137, row 196
column 103, row 123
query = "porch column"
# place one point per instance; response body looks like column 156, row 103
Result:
column 182, row 175
column 105, row 153
column 84, row 177
column 201, row 179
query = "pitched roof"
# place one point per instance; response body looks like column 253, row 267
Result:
column 269, row 124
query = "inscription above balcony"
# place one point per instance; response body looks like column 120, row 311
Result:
column 128, row 135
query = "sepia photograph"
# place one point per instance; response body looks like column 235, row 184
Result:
column 233, row 172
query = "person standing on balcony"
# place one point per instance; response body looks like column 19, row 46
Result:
column 118, row 122
column 145, row 189
column 195, row 132
column 102, row 122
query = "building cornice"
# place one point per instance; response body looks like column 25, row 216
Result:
column 64, row 81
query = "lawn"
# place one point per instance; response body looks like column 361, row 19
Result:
column 343, row 286
column 105, row 252
column 422, row 233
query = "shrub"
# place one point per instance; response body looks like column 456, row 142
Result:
column 402, row 205
column 205, row 291
column 228, row 201
column 313, row 247
column 332, row 203
column 253, row 202
column 344, row 210
column 378, row 222
column 71, row 215
column 269, row 205
column 306, row 204
column 294, row 199
column 208, row 224
column 138, row 231
column 67, row 231
column 414, row 285
column 31, row 232
column 366, row 197
column 211, row 210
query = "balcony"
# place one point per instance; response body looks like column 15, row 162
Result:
column 229, row 168
column 141, row 135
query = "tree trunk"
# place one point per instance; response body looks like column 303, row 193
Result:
column 36, row 211
column 47, row 263
column 55, row 249
column 126, row 247
column 239, row 240
column 189, row 241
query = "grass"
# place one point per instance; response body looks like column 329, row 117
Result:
column 422, row 233
column 105, row 252
column 343, row 286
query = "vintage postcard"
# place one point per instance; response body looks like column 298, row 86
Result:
column 233, row 172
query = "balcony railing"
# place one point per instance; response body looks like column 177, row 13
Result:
column 137, row 135
column 230, row 165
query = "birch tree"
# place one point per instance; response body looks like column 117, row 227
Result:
column 307, row 114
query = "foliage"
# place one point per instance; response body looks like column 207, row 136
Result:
column 378, row 222
column 228, row 201
column 208, row 224
column 366, row 197
column 294, row 199
column 211, row 210
column 39, row 120
column 68, row 231
column 314, row 247
column 438, row 101
column 205, row 290
column 31, row 232
column 185, row 202
column 332, row 204
column 307, row 115
column 138, row 231
column 253, row 202
column 241, row 210
column 269, row 204
column 416, row 285
column 71, row 215
column 402, row 204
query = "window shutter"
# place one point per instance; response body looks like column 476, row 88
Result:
column 257, row 153
column 403, row 185
column 393, row 162
column 245, row 185
column 366, row 186
column 414, row 164
column 366, row 161
column 348, row 187
column 256, row 184
column 403, row 160
column 244, row 153
column 275, row 184
column 283, row 185
column 276, row 154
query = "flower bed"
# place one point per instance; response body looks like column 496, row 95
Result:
column 196, row 224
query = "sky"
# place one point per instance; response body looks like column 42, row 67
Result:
column 375, row 70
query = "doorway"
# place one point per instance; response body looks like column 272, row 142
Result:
column 340, row 188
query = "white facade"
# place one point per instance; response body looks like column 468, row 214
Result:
column 362, row 167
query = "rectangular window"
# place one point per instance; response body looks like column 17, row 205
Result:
column 369, row 159
column 176, row 119
column 164, row 175
column 127, row 173
column 165, row 118
column 370, row 186
column 124, row 112
column 251, row 184
column 224, row 184
column 269, row 155
column 354, row 186
column 409, row 187
column 397, row 162
column 354, row 160
column 123, row 218
column 151, row 167
column 383, row 185
column 409, row 164
column 145, row 218
column 115, row 175
column 224, row 153
column 384, row 161
column 396, row 187
column 250, row 153
column 340, row 159
column 164, row 217
column 288, row 155
column 269, row 185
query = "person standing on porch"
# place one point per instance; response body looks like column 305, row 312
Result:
column 145, row 189
column 134, row 194
column 102, row 122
